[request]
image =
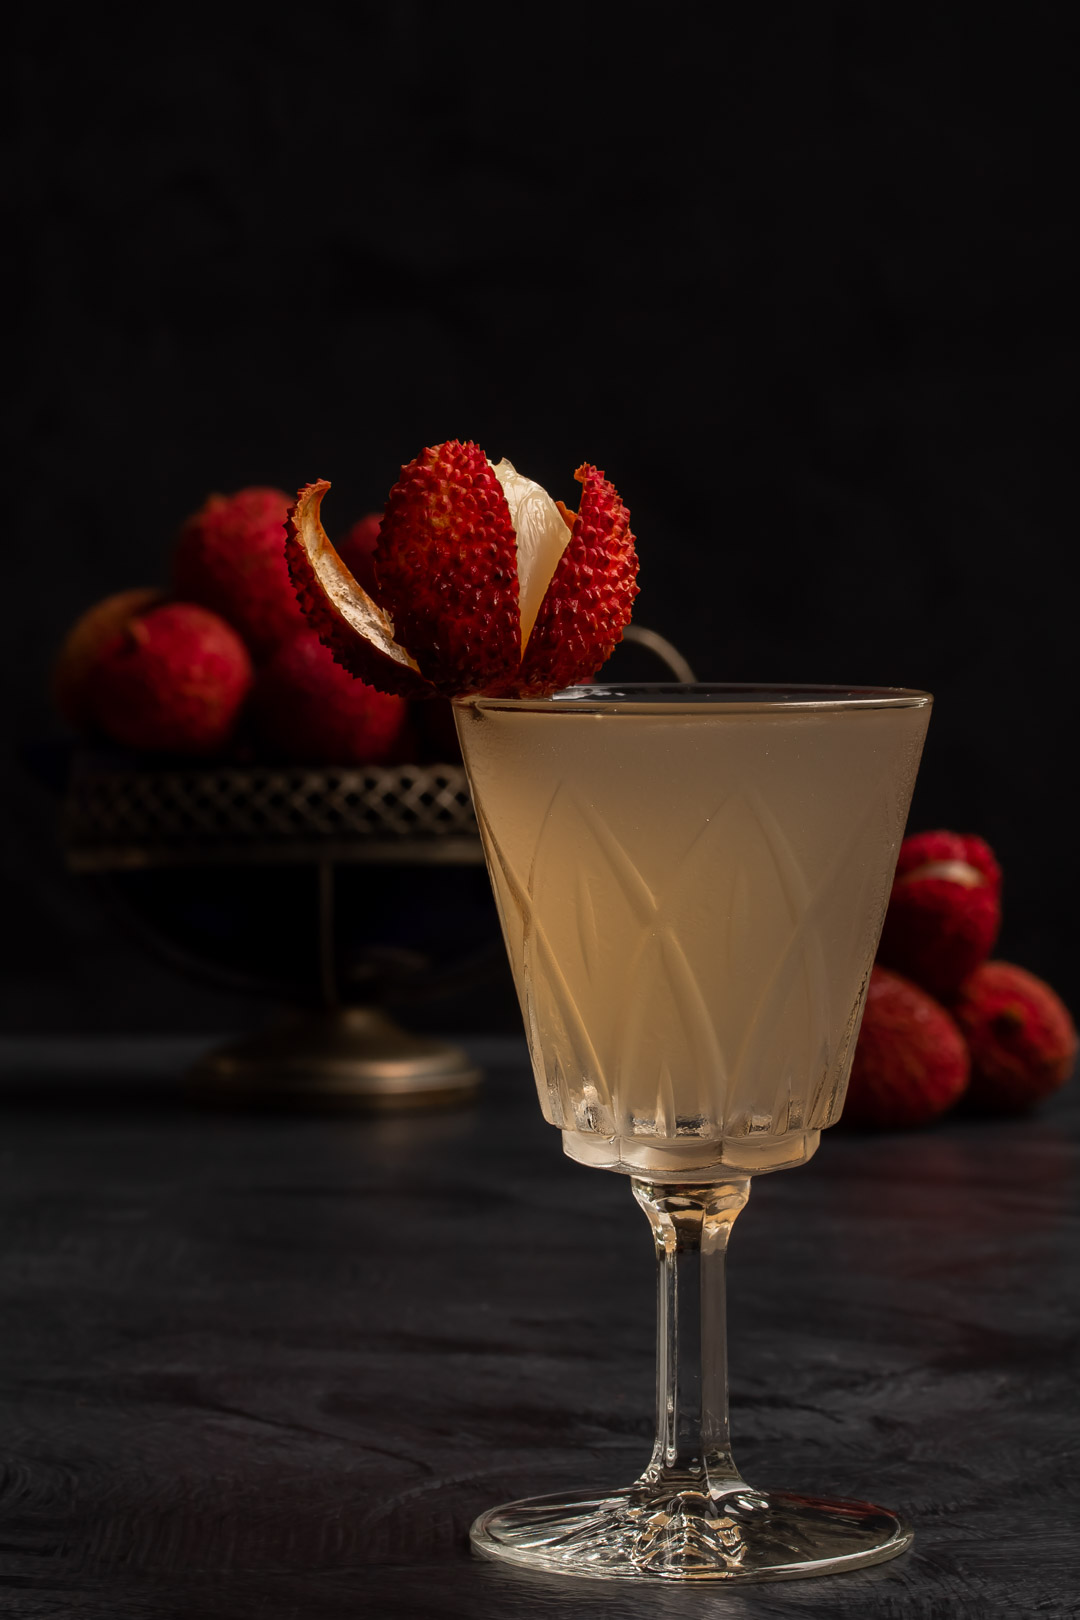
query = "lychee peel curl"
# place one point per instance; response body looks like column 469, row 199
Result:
column 355, row 629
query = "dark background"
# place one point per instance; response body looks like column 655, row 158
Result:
column 798, row 277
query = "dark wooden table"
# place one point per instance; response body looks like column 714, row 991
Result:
column 272, row 1367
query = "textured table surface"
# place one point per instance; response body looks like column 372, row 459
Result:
column 272, row 1367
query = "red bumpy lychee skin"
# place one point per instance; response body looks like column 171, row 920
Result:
column 944, row 911
column 83, row 645
column 173, row 680
column 1022, row 1040
column 446, row 569
column 911, row 1063
column 230, row 558
column 308, row 709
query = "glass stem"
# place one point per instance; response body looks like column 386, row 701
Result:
column 690, row 1226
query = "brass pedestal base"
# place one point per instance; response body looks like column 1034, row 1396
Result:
column 344, row 1057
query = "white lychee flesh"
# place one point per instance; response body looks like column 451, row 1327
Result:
column 542, row 535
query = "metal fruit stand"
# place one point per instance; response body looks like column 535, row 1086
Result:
column 118, row 821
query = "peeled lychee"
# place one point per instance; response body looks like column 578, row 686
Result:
column 944, row 911
column 230, row 557
column 357, row 550
column 84, row 643
column 1022, row 1039
column 911, row 1062
column 308, row 709
column 483, row 583
column 171, row 679
column 586, row 607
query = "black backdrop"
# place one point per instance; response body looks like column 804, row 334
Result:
column 798, row 277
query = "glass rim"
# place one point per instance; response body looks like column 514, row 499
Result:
column 728, row 697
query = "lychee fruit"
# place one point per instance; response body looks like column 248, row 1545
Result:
column 83, row 644
column 911, row 1063
column 173, row 679
column 230, row 557
column 1022, row 1040
column 356, row 549
column 483, row 583
column 944, row 912
column 306, row 708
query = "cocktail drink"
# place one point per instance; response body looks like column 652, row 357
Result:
column 691, row 883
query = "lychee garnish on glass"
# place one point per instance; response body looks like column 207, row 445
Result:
column 482, row 582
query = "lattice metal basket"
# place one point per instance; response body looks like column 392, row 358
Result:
column 117, row 818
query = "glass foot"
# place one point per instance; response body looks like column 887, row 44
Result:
column 688, row 1535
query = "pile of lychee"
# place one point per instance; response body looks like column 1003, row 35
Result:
column 224, row 663
column 943, row 1025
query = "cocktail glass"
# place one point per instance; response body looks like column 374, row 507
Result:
column 691, row 882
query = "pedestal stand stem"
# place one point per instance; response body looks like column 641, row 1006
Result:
column 328, row 984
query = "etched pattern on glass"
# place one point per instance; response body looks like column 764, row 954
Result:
column 710, row 1023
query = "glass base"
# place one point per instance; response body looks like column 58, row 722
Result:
column 686, row 1535
column 702, row 1161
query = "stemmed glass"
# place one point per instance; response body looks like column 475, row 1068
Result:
column 691, row 882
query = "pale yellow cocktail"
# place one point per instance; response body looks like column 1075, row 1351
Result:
column 691, row 894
